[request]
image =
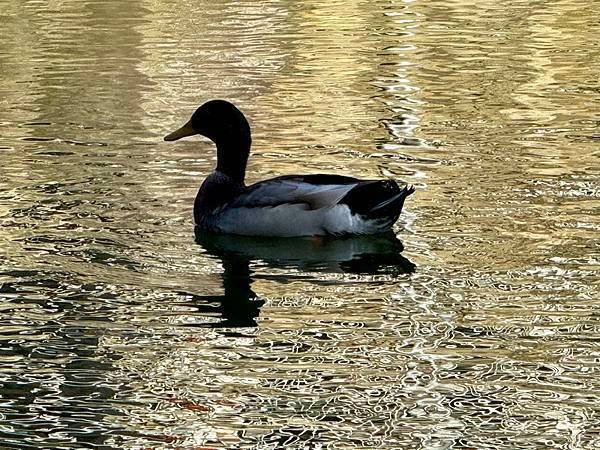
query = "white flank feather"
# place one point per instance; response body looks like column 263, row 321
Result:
column 295, row 220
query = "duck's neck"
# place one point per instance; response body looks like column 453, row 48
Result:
column 232, row 155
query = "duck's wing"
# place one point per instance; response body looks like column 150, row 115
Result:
column 313, row 191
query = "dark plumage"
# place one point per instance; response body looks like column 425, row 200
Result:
column 291, row 205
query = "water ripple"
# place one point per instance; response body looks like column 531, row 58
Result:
column 119, row 329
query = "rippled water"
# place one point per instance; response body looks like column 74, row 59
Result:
column 120, row 330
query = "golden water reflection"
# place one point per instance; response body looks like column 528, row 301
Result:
column 475, row 327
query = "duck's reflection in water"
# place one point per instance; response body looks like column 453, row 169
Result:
column 240, row 306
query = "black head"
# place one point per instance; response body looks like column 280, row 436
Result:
column 217, row 120
column 225, row 125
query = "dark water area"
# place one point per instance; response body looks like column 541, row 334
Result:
column 475, row 325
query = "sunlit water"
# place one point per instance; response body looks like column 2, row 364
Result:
column 120, row 330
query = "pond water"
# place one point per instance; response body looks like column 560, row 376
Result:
column 476, row 326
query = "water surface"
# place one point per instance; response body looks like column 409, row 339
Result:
column 476, row 326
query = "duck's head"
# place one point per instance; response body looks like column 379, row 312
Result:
column 225, row 125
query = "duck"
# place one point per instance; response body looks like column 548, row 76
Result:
column 284, row 206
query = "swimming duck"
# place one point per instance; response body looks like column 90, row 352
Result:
column 289, row 205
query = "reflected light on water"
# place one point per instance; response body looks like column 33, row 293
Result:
column 475, row 326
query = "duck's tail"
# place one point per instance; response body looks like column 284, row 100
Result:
column 392, row 205
column 380, row 200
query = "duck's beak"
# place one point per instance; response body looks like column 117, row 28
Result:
column 186, row 130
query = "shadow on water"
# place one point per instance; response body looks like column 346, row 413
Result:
column 240, row 306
